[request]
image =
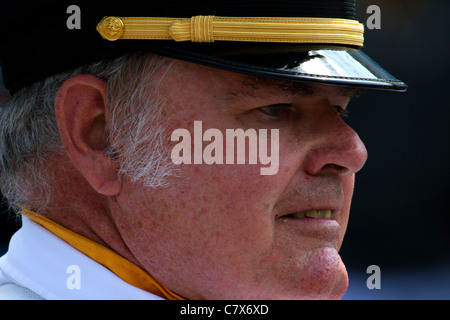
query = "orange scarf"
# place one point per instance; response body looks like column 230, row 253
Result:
column 121, row 267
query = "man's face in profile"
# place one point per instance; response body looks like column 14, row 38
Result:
column 224, row 231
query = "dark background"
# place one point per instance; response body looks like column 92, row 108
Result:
column 400, row 219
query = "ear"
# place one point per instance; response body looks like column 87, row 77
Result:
column 81, row 110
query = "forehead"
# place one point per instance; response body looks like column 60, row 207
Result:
column 233, row 85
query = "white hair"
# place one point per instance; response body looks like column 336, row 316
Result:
column 29, row 133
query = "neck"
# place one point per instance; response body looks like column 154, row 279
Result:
column 79, row 208
column 94, row 223
column 123, row 268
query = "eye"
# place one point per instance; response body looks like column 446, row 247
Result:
column 276, row 110
column 343, row 112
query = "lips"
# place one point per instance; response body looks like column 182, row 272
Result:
column 315, row 214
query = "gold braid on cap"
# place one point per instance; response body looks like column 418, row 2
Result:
column 212, row 28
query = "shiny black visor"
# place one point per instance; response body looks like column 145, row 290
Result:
column 320, row 64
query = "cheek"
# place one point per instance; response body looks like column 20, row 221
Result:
column 213, row 210
column 227, row 207
column 225, row 204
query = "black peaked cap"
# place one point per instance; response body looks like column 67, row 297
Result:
column 36, row 41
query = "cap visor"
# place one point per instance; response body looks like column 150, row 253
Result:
column 323, row 64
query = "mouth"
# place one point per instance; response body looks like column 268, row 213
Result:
column 315, row 214
column 321, row 226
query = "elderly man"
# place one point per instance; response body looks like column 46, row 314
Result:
column 111, row 148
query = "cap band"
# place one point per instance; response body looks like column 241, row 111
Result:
column 212, row 28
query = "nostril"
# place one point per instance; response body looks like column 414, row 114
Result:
column 335, row 168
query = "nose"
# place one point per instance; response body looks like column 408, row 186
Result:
column 338, row 151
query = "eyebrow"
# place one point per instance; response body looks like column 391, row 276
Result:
column 252, row 84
